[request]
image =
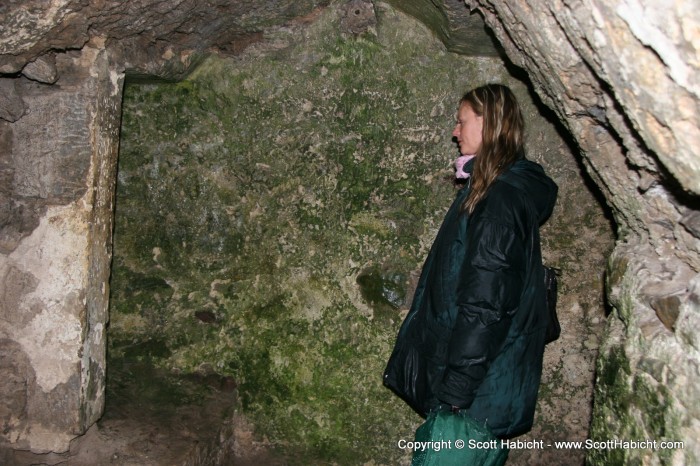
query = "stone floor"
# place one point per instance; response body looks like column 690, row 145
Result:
column 195, row 424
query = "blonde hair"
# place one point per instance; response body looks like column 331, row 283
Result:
column 502, row 137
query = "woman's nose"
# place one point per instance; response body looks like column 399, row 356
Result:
column 455, row 132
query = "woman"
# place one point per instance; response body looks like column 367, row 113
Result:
column 475, row 335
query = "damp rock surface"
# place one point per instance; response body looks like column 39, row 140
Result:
column 273, row 211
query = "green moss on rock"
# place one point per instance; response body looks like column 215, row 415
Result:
column 269, row 211
column 631, row 406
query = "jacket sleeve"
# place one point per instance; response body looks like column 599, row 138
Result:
column 490, row 285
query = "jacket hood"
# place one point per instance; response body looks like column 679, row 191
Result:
column 531, row 178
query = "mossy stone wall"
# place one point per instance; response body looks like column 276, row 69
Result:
column 274, row 209
column 638, row 372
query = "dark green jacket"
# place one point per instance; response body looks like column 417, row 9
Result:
column 474, row 336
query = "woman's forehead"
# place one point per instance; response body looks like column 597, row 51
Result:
column 464, row 110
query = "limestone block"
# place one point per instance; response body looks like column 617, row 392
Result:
column 43, row 69
column 55, row 269
column 46, row 278
column 11, row 104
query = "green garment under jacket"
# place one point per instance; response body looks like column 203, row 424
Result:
column 474, row 336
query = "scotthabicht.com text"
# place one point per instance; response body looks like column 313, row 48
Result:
column 588, row 444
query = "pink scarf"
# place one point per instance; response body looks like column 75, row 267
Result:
column 459, row 166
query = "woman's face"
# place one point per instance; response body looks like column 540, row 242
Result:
column 468, row 130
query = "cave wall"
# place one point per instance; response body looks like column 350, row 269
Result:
column 273, row 212
column 621, row 76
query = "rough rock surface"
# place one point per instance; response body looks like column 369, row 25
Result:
column 56, row 234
